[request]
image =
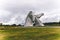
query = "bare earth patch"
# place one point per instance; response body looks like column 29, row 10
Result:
column 2, row 36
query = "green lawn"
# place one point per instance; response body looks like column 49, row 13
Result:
column 29, row 33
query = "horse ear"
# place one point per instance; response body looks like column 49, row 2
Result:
column 30, row 12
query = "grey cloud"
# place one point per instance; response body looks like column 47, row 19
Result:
column 18, row 10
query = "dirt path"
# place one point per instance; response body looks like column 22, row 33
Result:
column 2, row 36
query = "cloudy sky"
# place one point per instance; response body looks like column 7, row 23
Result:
column 15, row 11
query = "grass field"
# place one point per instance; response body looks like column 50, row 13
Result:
column 30, row 33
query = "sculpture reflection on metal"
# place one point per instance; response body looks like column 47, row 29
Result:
column 33, row 20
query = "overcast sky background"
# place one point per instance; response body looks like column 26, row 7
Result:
column 15, row 11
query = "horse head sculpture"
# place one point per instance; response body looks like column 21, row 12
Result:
column 33, row 19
